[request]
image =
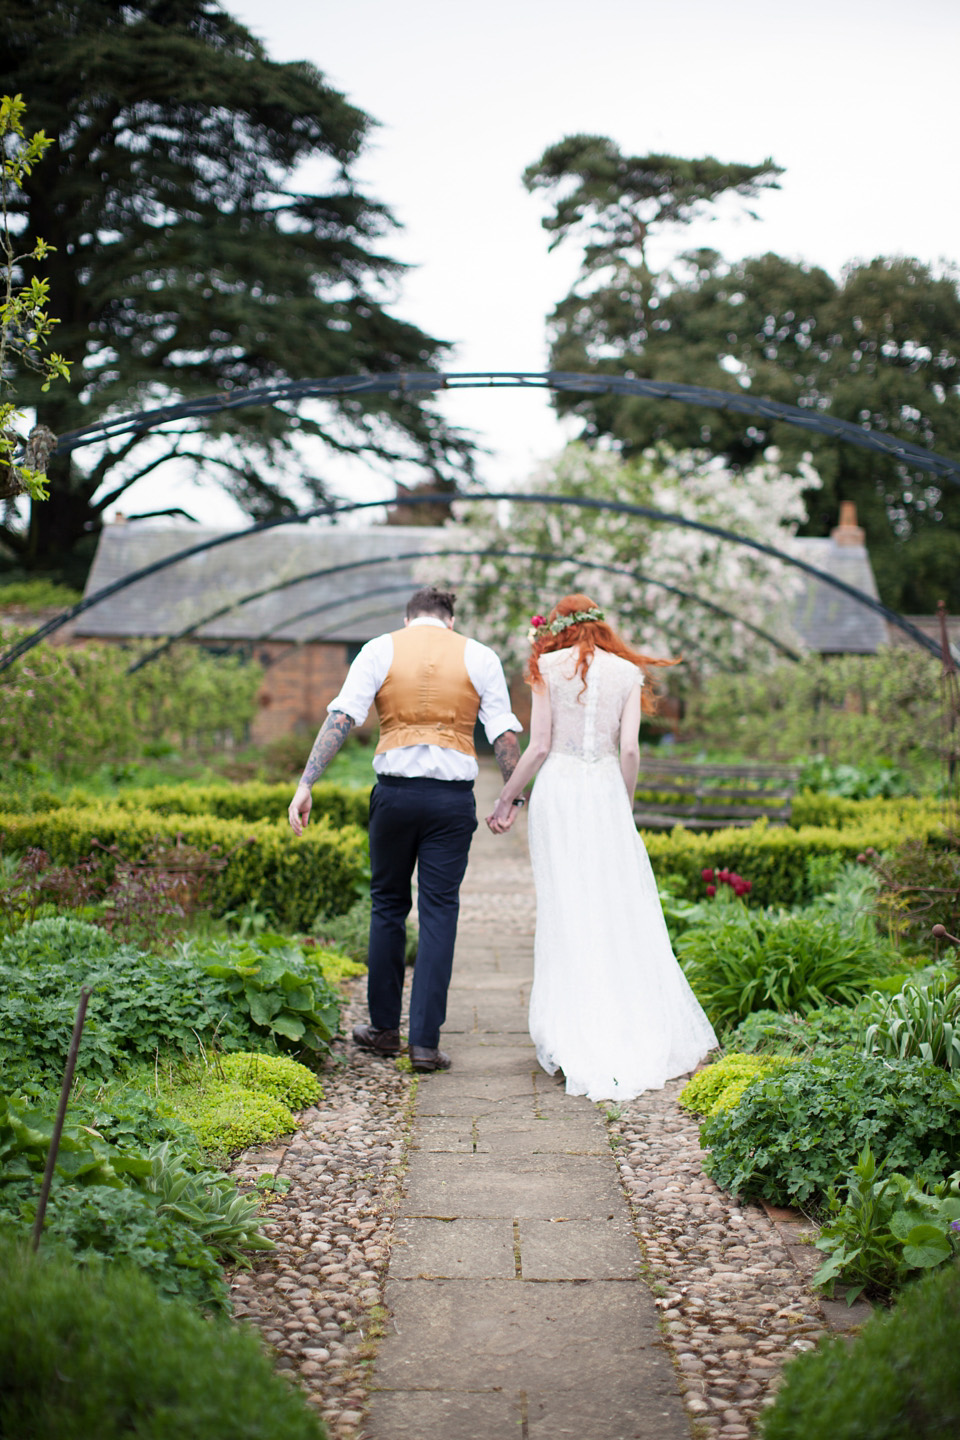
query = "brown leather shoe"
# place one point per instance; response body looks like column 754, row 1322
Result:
column 423, row 1059
column 381, row 1042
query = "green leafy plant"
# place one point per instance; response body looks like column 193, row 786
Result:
column 161, row 1211
column 758, row 960
column 141, row 1003
column 798, row 1132
column 856, row 782
column 208, row 1204
column 922, row 1020
column 83, row 1158
column 767, row 1032
column 270, row 980
column 883, row 1230
column 97, row 1352
column 896, row 1379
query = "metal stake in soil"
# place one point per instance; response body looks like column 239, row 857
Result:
column 85, row 994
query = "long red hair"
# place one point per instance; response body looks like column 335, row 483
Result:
column 587, row 636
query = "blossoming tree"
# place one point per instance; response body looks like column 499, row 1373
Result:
column 499, row 592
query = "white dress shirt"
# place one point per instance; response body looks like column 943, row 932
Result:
column 437, row 762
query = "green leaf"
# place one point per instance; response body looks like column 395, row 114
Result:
column 926, row 1248
column 289, row 1026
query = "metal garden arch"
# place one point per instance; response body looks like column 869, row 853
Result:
column 422, row 383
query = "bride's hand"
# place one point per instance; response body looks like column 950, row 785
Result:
column 502, row 818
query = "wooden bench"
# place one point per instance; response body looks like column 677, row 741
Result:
column 711, row 797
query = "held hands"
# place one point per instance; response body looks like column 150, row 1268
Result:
column 299, row 809
column 504, row 814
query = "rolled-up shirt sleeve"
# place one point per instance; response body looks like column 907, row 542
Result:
column 487, row 677
column 364, row 678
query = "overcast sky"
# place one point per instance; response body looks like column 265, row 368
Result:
column 856, row 99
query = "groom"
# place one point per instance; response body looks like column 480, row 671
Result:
column 430, row 686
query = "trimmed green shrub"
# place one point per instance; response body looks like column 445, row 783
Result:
column 288, row 876
column 254, row 800
column 775, row 858
column 897, row 1380
column 798, row 1132
column 97, row 1353
column 721, row 1086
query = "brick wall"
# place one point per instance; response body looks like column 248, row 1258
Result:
column 299, row 681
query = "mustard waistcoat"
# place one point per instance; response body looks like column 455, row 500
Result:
column 427, row 697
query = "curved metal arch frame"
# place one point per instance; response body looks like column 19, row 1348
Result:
column 425, row 382
column 331, row 511
column 290, row 581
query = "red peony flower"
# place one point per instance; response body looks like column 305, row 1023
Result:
column 706, row 875
column 711, row 890
column 537, row 620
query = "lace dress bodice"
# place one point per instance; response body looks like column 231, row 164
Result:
column 586, row 723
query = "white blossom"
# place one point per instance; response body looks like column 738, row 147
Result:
column 498, row 595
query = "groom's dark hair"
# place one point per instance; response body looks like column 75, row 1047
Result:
column 432, row 601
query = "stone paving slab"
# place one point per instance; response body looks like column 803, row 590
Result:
column 540, row 1187
column 501, row 1135
column 461, row 1249
column 448, row 1415
column 578, row 1249
column 448, row 1094
column 480, row 1334
column 512, row 1057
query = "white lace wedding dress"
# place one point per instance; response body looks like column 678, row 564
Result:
column 610, row 1006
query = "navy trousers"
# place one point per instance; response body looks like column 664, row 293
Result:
column 427, row 823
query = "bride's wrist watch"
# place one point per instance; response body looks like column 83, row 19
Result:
column 521, row 800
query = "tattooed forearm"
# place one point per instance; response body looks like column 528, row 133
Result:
column 335, row 730
column 506, row 748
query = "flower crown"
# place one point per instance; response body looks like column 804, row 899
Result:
column 560, row 623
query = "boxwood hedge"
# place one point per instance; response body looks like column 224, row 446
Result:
column 294, row 878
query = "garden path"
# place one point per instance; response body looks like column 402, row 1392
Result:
column 549, row 1267
column 516, row 1303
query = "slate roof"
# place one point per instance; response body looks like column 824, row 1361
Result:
column 350, row 605
column 829, row 621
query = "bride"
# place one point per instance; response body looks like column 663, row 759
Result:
column 610, row 1006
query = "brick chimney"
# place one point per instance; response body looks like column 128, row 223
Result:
column 848, row 532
